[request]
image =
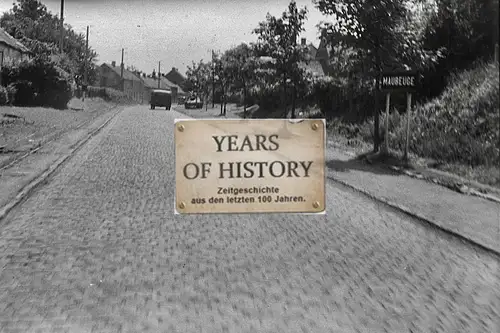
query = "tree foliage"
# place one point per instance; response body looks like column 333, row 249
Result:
column 277, row 39
column 240, row 67
column 38, row 29
column 199, row 77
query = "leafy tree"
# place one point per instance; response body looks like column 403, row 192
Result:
column 37, row 28
column 199, row 77
column 277, row 38
column 466, row 31
column 223, row 76
column 378, row 34
column 241, row 66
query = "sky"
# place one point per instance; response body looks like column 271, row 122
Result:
column 172, row 32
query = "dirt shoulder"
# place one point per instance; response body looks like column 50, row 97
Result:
column 23, row 129
column 40, row 139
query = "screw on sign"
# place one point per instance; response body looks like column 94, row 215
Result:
column 250, row 166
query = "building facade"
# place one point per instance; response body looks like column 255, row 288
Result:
column 111, row 76
column 11, row 50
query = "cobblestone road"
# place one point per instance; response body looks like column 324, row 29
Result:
column 98, row 249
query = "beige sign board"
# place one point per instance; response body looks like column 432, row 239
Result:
column 250, row 166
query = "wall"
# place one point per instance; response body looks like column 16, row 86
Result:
column 11, row 55
column 109, row 78
column 134, row 89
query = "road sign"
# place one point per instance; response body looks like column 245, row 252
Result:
column 398, row 81
column 250, row 166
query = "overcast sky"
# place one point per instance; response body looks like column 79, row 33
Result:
column 175, row 32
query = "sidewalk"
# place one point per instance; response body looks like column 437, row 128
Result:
column 471, row 217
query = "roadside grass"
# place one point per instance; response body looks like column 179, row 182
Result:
column 25, row 128
column 458, row 132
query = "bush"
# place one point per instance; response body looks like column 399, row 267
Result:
column 269, row 99
column 11, row 92
column 459, row 126
column 39, row 82
column 26, row 94
column 110, row 95
column 4, row 96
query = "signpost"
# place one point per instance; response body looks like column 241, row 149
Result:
column 250, row 166
column 398, row 82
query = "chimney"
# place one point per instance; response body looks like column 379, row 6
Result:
column 303, row 41
column 113, row 63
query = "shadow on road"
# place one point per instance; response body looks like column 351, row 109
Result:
column 346, row 166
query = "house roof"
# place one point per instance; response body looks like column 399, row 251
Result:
column 153, row 83
column 170, row 84
column 10, row 41
column 314, row 67
column 312, row 50
column 127, row 75
column 175, row 77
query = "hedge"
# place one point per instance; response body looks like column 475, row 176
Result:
column 38, row 82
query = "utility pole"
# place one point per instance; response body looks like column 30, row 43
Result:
column 213, row 80
column 159, row 75
column 85, row 73
column 121, row 73
column 61, row 42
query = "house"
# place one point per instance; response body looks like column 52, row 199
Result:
column 323, row 56
column 151, row 82
column 177, row 78
column 317, row 61
column 11, row 50
column 176, row 90
column 132, row 84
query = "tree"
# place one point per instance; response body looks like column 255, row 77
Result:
column 223, row 76
column 466, row 31
column 377, row 32
column 37, row 28
column 241, row 66
column 277, row 38
column 199, row 76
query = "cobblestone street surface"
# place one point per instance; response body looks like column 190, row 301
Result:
column 98, row 249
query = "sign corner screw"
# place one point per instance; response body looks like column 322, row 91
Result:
column 181, row 128
column 315, row 126
column 182, row 205
column 316, row 204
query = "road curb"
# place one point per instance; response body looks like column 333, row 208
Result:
column 40, row 179
column 473, row 188
column 417, row 216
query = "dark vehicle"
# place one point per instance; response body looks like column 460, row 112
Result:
column 161, row 98
column 193, row 103
column 181, row 99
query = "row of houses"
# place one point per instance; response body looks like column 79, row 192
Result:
column 138, row 85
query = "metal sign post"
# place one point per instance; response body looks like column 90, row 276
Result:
column 408, row 117
column 385, row 147
column 398, row 82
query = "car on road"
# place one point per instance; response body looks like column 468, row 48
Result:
column 161, row 98
column 193, row 103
